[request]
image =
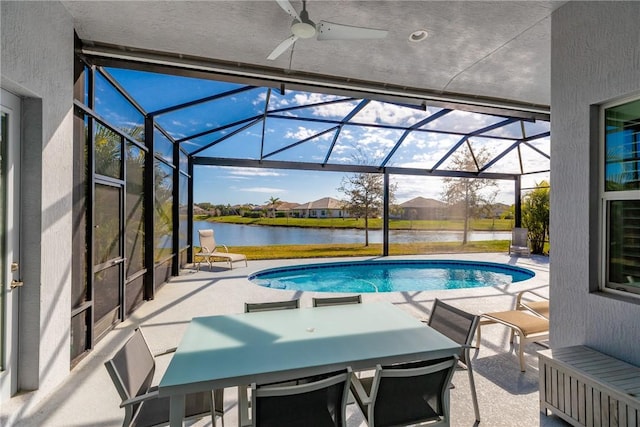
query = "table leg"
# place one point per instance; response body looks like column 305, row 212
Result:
column 176, row 410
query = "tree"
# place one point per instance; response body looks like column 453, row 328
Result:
column 535, row 216
column 365, row 192
column 273, row 203
column 206, row 206
column 364, row 197
column 473, row 194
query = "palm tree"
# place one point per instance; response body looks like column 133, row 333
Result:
column 273, row 203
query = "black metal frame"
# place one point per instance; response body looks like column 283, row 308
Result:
column 196, row 157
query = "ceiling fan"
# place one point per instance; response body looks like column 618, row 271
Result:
column 304, row 28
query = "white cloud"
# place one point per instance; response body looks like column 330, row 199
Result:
column 260, row 99
column 253, row 172
column 268, row 190
column 391, row 114
column 304, row 133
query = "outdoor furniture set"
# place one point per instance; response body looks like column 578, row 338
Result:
column 281, row 356
column 298, row 364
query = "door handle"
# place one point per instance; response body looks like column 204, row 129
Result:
column 16, row 284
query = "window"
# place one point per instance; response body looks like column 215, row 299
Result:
column 621, row 196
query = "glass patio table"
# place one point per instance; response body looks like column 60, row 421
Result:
column 269, row 346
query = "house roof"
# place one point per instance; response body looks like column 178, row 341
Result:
column 324, row 203
column 422, row 202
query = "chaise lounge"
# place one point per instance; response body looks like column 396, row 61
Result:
column 529, row 320
column 209, row 250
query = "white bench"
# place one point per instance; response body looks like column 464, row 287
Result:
column 587, row 388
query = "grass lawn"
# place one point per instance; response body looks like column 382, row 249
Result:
column 358, row 249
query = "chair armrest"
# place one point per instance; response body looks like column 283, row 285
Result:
column 138, row 399
column 166, row 351
column 225, row 247
column 521, row 294
column 359, row 389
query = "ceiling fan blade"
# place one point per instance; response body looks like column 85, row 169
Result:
column 287, row 7
column 286, row 43
column 333, row 31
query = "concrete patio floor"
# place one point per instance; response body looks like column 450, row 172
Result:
column 507, row 397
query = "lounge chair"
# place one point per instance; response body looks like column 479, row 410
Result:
column 520, row 242
column 539, row 305
column 132, row 369
column 406, row 394
column 459, row 326
column 529, row 320
column 324, row 301
column 209, row 250
column 319, row 401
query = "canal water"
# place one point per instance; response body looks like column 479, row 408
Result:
column 255, row 235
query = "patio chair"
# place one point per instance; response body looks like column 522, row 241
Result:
column 318, row 401
column 251, row 307
column 519, row 241
column 209, row 250
column 538, row 306
column 132, row 368
column 459, row 326
column 324, row 301
column 406, row 394
column 529, row 320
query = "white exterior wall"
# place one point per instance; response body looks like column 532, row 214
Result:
column 595, row 58
column 37, row 63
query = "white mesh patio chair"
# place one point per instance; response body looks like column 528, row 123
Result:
column 520, row 243
column 210, row 250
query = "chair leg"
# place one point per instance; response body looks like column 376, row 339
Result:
column 521, row 352
column 218, row 406
column 243, row 406
column 474, row 395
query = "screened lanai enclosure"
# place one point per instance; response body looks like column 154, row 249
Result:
column 144, row 134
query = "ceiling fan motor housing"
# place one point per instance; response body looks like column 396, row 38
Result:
column 305, row 28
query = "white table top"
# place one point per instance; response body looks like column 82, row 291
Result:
column 238, row 349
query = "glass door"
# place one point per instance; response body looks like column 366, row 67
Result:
column 108, row 230
column 10, row 281
column 108, row 260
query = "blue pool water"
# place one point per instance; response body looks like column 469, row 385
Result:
column 390, row 276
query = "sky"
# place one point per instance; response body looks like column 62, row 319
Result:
column 279, row 138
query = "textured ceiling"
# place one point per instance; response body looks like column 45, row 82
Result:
column 497, row 50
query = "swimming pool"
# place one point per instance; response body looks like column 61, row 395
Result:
column 390, row 276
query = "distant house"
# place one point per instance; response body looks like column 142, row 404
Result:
column 283, row 209
column 327, row 207
column 423, row 208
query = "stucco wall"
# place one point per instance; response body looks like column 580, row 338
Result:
column 595, row 57
column 37, row 63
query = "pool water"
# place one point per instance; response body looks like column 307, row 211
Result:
column 390, row 276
